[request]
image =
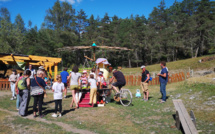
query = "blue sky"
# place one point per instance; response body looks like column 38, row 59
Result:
column 35, row 10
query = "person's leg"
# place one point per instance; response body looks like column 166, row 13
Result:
column 94, row 95
column 65, row 90
column 60, row 106
column 17, row 102
column 147, row 95
column 73, row 98
column 56, row 105
column 35, row 104
column 164, row 92
column 142, row 87
column 161, row 91
column 13, row 90
column 163, row 86
column 146, row 91
column 40, row 103
column 91, row 95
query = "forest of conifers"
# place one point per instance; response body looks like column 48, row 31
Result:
column 184, row 30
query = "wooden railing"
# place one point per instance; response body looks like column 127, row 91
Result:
column 134, row 80
column 4, row 84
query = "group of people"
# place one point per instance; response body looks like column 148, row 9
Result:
column 163, row 79
column 31, row 83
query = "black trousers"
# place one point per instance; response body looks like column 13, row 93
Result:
column 58, row 102
column 38, row 99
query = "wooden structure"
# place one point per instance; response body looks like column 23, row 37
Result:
column 183, row 119
column 132, row 80
column 93, row 47
column 46, row 62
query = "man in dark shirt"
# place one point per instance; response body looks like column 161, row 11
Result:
column 144, row 83
column 120, row 80
column 163, row 78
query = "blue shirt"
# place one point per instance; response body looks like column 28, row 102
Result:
column 40, row 81
column 64, row 75
column 163, row 79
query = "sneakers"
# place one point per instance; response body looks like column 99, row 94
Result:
column 65, row 96
column 162, row 101
column 12, row 98
column 54, row 115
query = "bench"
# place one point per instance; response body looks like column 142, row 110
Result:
column 183, row 119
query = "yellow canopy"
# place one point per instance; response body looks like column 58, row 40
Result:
column 46, row 62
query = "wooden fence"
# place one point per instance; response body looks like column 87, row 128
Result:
column 4, row 84
column 132, row 80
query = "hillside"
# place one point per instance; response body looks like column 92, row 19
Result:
column 192, row 63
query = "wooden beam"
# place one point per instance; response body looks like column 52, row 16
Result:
column 50, row 71
column 55, row 71
column 40, row 58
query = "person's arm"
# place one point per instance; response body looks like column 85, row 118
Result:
column 53, row 87
column 68, row 77
column 147, row 78
column 28, row 83
column 164, row 73
column 16, row 87
column 111, row 79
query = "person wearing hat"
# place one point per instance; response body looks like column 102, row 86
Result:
column 44, row 71
column 101, row 79
column 145, row 83
column 84, row 80
column 13, row 78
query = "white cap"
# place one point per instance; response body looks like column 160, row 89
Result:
column 85, row 71
column 41, row 67
column 142, row 66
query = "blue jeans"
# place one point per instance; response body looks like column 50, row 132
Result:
column 163, row 90
column 17, row 101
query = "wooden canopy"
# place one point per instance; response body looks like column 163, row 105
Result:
column 46, row 62
column 72, row 48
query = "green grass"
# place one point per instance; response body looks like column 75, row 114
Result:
column 142, row 117
column 191, row 63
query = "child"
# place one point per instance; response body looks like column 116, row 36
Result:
column 101, row 80
column 58, row 88
column 83, row 80
column 93, row 89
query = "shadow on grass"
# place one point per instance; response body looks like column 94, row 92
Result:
column 181, row 128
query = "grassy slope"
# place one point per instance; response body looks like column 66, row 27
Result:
column 176, row 65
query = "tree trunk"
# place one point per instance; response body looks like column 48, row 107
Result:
column 196, row 52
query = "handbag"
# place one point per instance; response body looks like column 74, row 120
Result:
column 35, row 90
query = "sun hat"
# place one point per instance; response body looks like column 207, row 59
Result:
column 100, row 73
column 84, row 71
column 142, row 66
column 41, row 67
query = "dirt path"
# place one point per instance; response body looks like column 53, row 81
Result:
column 67, row 127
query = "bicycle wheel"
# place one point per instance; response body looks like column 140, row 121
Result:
column 125, row 97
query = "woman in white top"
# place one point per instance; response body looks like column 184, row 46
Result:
column 58, row 88
column 74, row 84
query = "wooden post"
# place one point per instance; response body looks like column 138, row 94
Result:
column 55, row 71
column 50, row 71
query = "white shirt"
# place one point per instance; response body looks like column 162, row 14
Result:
column 58, row 89
column 92, row 83
column 100, row 79
column 74, row 78
column 33, row 72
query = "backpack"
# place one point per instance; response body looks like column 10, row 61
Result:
column 22, row 84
